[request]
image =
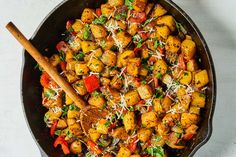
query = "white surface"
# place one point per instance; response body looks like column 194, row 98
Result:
column 215, row 19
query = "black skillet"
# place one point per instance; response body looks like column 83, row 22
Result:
column 45, row 39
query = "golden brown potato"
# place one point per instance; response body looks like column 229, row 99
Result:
column 139, row 5
column 123, row 39
column 144, row 134
column 170, row 119
column 143, row 71
column 71, row 76
column 70, row 65
column 149, row 8
column 107, row 10
column 162, row 32
column 187, row 119
column 105, row 81
column 80, row 88
column 201, row 79
column 88, row 46
column 166, row 103
column 70, row 121
column 98, row 31
column 133, row 28
column 69, row 55
column 124, row 152
column 76, row 129
column 77, row 25
column 172, row 44
column 116, row 3
column 133, row 66
column 145, row 53
column 157, row 105
column 61, row 124
column 116, row 24
column 162, row 129
column 102, row 126
column 167, row 20
column 81, row 68
column 135, row 155
column 149, row 119
column 145, row 91
column 188, row 48
column 166, row 79
column 107, row 43
column 123, row 58
column 73, row 114
column 109, row 58
column 132, row 97
column 68, row 100
column 75, row 45
column 160, row 66
column 158, row 11
column 97, row 101
column 185, row 78
column 95, row 65
column 54, row 60
column 76, row 147
column 192, row 65
column 87, row 15
column 129, row 121
column 93, row 134
column 194, row 110
column 120, row 133
column 198, row 99
column 116, row 82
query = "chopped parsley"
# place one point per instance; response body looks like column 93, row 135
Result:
column 37, row 66
column 58, row 132
column 62, row 55
column 156, row 44
column 148, row 21
column 65, row 110
column 178, row 135
column 102, row 43
column 86, row 34
column 73, row 107
column 143, row 82
column 202, row 95
column 49, row 93
column 131, row 108
column 120, row 16
column 156, row 151
column 158, row 92
column 89, row 155
column 101, row 20
column 107, row 124
column 46, row 118
column 79, row 56
column 129, row 4
column 159, row 75
column 179, row 26
column 96, row 93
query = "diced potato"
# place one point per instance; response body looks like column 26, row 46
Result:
column 192, row 129
column 124, row 152
column 105, row 81
column 139, row 5
column 102, row 126
column 75, row 44
column 116, row 3
column 95, row 65
column 76, row 147
column 87, row 15
column 123, row 38
column 116, row 82
column 54, row 60
column 167, row 20
column 81, row 69
column 70, row 121
column 132, row 97
column 166, row 103
column 129, row 121
column 107, row 43
column 198, row 99
column 144, row 134
column 160, row 66
column 88, row 46
column 107, row 10
column 120, row 133
column 158, row 11
column 133, row 28
column 149, row 119
column 116, row 24
column 172, row 44
column 145, row 91
column 76, row 129
column 97, row 101
column 69, row 55
column 181, row 92
column 187, row 119
column 98, row 31
column 149, row 8
column 162, row 129
column 167, row 79
column 192, row 65
column 80, row 88
column 77, row 25
column 95, row 53
column 123, row 58
column 170, row 119
column 68, row 100
column 71, row 76
column 73, row 114
column 70, row 65
column 61, row 124
column 133, row 66
column 201, row 79
column 185, row 78
column 109, row 58
column 194, row 110
column 145, row 53
column 143, row 71
column 157, row 105
column 93, row 134
column 188, row 48
column 162, row 32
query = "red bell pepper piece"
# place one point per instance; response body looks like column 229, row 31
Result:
column 161, row 50
column 45, row 80
column 64, row 145
column 137, row 82
column 137, row 17
column 53, row 128
column 133, row 144
column 152, row 59
column 137, row 50
column 63, row 66
column 155, row 80
column 98, row 12
column 188, row 137
column 69, row 24
column 143, row 35
column 62, row 46
column 91, row 83
column 94, row 147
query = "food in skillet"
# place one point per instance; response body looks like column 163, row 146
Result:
column 132, row 60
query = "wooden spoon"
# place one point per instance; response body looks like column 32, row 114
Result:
column 89, row 114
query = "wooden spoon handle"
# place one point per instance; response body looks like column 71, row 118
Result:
column 45, row 64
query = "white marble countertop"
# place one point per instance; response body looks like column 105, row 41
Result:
column 215, row 19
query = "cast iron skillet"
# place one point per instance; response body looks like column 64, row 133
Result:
column 45, row 39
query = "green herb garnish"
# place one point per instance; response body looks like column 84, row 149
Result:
column 129, row 4
column 101, row 20
column 156, row 151
column 178, row 26
column 58, row 132
column 37, row 66
column 65, row 110
column 96, row 93
column 131, row 108
column 102, row 43
column 62, row 55
column 79, row 56
column 49, row 93
column 148, row 21
column 143, row 82
column 107, row 124
column 120, row 16
column 86, row 34
column 73, row 107
column 159, row 75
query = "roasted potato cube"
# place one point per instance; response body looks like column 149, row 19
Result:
column 133, row 66
column 187, row 119
column 75, row 44
column 132, row 97
column 105, row 81
column 116, row 24
column 133, row 28
column 120, row 133
column 116, row 3
column 61, row 124
column 98, row 31
column 102, row 126
column 93, row 134
column 76, row 147
column 70, row 65
column 68, row 100
column 143, row 71
column 69, row 55
column 129, row 121
column 76, row 129
column 162, row 32
column 170, row 119
column 188, row 48
column 116, row 82
column 81, row 68
column 166, row 103
column 123, row 58
column 109, row 58
column 95, row 65
column 73, row 114
column 194, row 110
column 107, row 43
column 185, row 78
column 149, row 8
column 77, row 25
column 139, row 5
column 87, row 15
column 162, row 129
column 198, row 99
column 94, row 54
column 157, row 105
column 144, row 134
column 167, row 20
column 149, row 119
column 201, row 79
column 88, row 46
column 192, row 65
column 80, row 88
column 145, row 91
column 123, row 38
column 145, row 53
column 158, row 11
column 107, row 10
column 54, row 60
column 160, row 66
column 124, row 152
column 166, row 79
column 97, row 101
column 71, row 76
column 70, row 121
column 172, row 44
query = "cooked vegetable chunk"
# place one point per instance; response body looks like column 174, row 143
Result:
column 123, row 39
column 132, row 98
column 109, row 58
column 158, row 11
column 129, row 121
column 81, row 69
column 95, row 65
column 173, row 44
column 187, row 119
column 120, row 133
column 133, row 66
column 124, row 152
column 116, row 82
column 97, row 100
column 201, row 79
column 102, row 126
column 139, row 5
column 94, row 135
column 186, row 78
column 80, row 88
column 198, row 99
column 160, row 67
column 149, row 119
column 87, row 46
column 98, row 31
column 87, row 15
column 188, row 48
column 162, row 32
column 107, row 10
column 144, row 134
column 167, row 20
column 145, row 91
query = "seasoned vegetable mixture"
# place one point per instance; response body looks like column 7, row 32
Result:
column 135, row 62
